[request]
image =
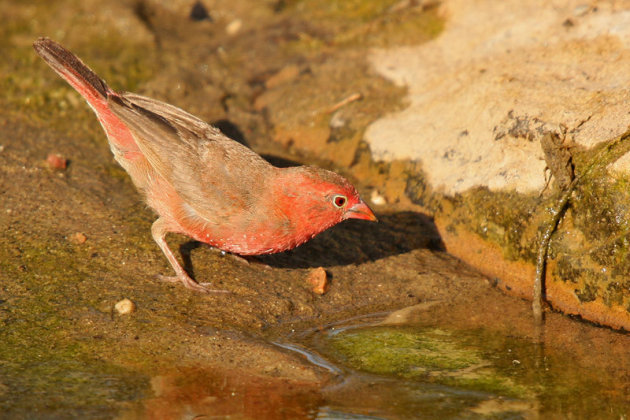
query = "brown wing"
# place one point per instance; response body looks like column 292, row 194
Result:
column 216, row 176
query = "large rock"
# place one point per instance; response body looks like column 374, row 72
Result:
column 502, row 80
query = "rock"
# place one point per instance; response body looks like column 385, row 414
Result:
column 520, row 67
column 494, row 110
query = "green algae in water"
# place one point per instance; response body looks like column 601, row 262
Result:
column 81, row 388
column 431, row 355
column 532, row 377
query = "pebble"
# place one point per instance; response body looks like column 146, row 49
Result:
column 56, row 161
column 377, row 199
column 233, row 27
column 319, row 280
column 125, row 306
column 77, row 238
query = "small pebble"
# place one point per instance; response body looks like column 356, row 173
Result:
column 56, row 161
column 125, row 306
column 318, row 279
column 77, row 238
column 377, row 199
column 233, row 27
column 337, row 120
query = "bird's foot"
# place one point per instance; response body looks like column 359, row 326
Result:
column 243, row 259
column 190, row 283
column 250, row 259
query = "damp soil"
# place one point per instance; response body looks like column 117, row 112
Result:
column 76, row 240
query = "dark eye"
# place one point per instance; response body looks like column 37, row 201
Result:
column 339, row 201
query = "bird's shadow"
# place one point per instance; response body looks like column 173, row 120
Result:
column 352, row 242
column 356, row 242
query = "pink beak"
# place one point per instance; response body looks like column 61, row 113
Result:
column 361, row 211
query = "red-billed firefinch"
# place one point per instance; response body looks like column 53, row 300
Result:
column 203, row 184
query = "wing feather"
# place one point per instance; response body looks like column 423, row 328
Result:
column 214, row 175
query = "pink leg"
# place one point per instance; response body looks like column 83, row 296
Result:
column 159, row 231
column 243, row 259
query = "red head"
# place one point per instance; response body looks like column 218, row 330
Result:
column 314, row 199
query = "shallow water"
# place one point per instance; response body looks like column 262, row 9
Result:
column 402, row 371
column 415, row 371
column 381, row 367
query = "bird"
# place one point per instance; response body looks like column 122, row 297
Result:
column 203, row 184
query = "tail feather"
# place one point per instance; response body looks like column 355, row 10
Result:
column 94, row 90
column 72, row 69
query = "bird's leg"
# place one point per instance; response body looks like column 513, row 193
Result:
column 159, row 231
column 243, row 259
column 251, row 259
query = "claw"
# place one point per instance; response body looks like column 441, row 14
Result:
column 250, row 260
column 243, row 259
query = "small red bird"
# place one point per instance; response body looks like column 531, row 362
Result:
column 203, row 184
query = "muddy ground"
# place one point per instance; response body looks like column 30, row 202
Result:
column 75, row 241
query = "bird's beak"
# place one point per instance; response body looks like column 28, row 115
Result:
column 361, row 211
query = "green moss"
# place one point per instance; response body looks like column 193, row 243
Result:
column 72, row 384
column 503, row 218
column 614, row 294
column 418, row 190
column 350, row 10
column 48, row 348
column 30, row 87
column 358, row 22
column 428, row 355
column 566, row 269
column 604, row 207
column 399, row 352
column 588, row 292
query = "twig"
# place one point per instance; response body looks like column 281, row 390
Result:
column 541, row 260
column 344, row 102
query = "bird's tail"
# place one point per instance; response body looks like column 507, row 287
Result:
column 74, row 71
column 93, row 89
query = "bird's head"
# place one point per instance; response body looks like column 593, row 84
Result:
column 315, row 199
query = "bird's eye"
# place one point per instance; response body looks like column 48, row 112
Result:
column 339, row 201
